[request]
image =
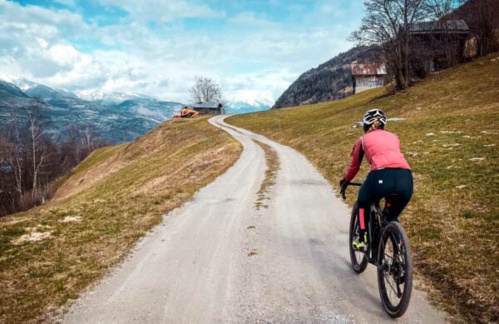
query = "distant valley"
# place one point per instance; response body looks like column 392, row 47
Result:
column 115, row 117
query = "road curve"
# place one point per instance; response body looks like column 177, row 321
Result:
column 195, row 268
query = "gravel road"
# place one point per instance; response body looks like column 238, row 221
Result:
column 220, row 260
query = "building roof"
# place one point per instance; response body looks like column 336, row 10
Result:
column 212, row 105
column 368, row 69
column 434, row 27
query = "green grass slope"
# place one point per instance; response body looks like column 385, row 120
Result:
column 450, row 138
column 51, row 253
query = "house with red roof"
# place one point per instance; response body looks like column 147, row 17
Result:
column 368, row 76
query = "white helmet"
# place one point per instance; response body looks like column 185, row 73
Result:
column 371, row 116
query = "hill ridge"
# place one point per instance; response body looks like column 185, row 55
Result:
column 329, row 81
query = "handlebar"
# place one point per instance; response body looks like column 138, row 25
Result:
column 356, row 184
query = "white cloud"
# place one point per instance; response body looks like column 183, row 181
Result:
column 262, row 85
column 250, row 18
column 67, row 3
column 65, row 55
column 154, row 10
column 37, row 16
column 42, row 42
column 247, row 62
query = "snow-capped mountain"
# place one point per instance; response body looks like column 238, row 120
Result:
column 38, row 90
column 247, row 100
column 7, row 78
column 24, row 84
column 48, row 94
column 109, row 97
column 240, row 107
column 8, row 89
column 117, row 117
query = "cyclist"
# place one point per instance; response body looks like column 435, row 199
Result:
column 390, row 173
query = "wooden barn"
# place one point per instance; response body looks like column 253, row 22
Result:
column 440, row 44
column 368, row 76
column 214, row 108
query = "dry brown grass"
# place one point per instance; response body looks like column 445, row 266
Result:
column 48, row 255
column 272, row 161
column 99, row 165
column 450, row 137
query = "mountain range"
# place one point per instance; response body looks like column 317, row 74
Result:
column 116, row 117
column 241, row 107
column 114, row 121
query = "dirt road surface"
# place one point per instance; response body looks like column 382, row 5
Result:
column 220, row 260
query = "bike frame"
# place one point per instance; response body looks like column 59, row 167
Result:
column 375, row 228
column 375, row 231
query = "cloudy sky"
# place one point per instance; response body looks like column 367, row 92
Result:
column 254, row 49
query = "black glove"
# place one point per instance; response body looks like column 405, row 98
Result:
column 343, row 187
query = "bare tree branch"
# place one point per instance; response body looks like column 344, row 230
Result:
column 205, row 90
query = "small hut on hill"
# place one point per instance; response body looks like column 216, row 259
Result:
column 368, row 76
column 440, row 44
column 215, row 108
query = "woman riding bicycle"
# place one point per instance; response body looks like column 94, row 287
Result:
column 390, row 173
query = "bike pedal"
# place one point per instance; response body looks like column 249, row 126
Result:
column 362, row 248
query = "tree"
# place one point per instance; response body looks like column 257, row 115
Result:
column 30, row 160
column 10, row 181
column 205, row 90
column 82, row 140
column 440, row 9
column 445, row 42
column 15, row 152
column 482, row 16
column 388, row 24
column 38, row 143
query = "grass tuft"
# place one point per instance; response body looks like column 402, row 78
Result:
column 272, row 161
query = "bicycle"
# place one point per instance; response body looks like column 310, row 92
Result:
column 392, row 259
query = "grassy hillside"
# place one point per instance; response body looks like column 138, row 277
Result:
column 49, row 254
column 450, row 138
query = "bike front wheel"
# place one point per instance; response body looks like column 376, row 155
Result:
column 394, row 270
column 358, row 258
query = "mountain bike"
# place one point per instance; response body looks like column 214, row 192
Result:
column 389, row 250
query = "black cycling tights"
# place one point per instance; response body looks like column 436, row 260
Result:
column 380, row 183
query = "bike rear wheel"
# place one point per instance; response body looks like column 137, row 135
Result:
column 395, row 270
column 358, row 259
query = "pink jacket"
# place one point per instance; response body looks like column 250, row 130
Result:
column 382, row 150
